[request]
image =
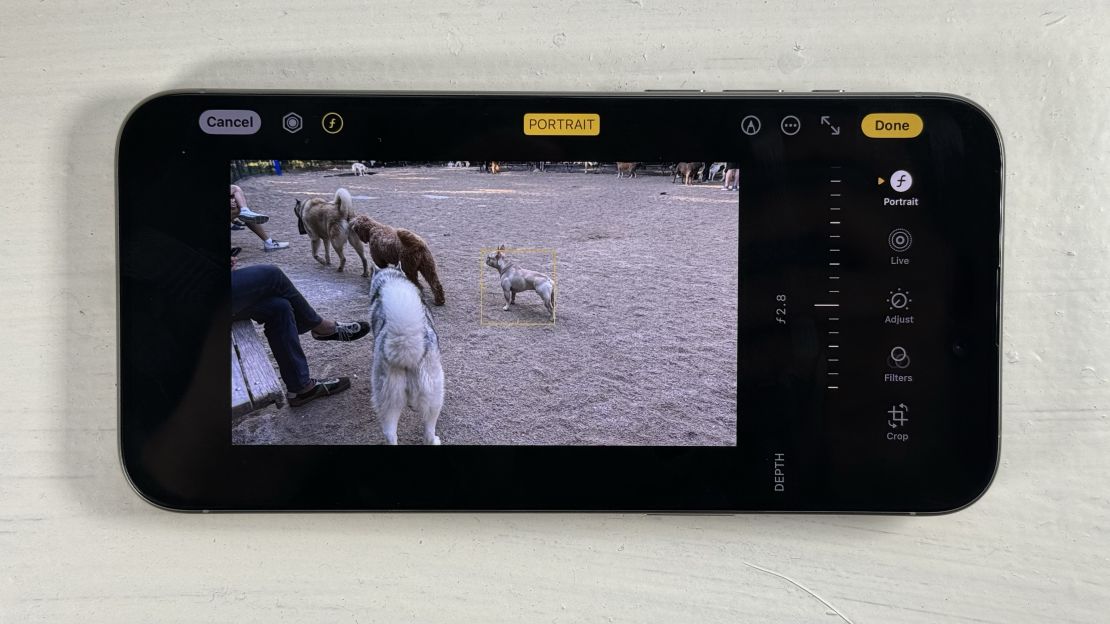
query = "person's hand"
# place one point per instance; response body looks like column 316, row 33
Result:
column 233, row 263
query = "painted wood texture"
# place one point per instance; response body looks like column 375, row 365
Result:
column 77, row 543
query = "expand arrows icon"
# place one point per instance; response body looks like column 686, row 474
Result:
column 834, row 130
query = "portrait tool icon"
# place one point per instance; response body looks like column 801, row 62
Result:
column 901, row 180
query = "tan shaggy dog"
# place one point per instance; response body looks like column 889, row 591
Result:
column 398, row 246
column 627, row 169
column 328, row 221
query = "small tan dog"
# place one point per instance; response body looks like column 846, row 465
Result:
column 627, row 169
column 515, row 279
column 328, row 221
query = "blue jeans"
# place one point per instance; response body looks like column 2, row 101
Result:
column 264, row 294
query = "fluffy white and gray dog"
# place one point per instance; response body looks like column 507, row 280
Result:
column 406, row 369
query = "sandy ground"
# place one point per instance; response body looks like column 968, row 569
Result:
column 643, row 349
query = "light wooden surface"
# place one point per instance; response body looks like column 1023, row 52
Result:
column 251, row 364
column 77, row 545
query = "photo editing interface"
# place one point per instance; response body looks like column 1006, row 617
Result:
column 594, row 303
column 574, row 303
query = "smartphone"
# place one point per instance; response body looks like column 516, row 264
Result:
column 465, row 301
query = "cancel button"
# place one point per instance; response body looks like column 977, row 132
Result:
column 230, row 121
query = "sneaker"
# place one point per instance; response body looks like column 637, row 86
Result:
column 246, row 215
column 347, row 331
column 320, row 388
column 235, row 227
column 274, row 246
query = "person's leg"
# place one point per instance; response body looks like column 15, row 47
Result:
column 244, row 213
column 260, row 282
column 282, row 332
column 237, row 195
column 731, row 178
column 268, row 243
column 263, row 281
column 258, row 230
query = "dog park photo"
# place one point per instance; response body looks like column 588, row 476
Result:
column 488, row 303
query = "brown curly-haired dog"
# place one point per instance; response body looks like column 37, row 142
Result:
column 390, row 245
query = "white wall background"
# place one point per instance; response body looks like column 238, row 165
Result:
column 77, row 544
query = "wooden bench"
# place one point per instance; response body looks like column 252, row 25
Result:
column 254, row 382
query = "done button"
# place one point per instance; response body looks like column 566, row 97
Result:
column 892, row 125
column 564, row 124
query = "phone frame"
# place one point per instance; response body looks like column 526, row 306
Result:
column 177, row 455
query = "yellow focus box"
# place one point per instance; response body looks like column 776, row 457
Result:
column 892, row 125
column 562, row 124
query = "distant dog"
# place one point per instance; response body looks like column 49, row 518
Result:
column 627, row 169
column 714, row 169
column 397, row 246
column 359, row 169
column 328, row 221
column 406, row 368
column 686, row 170
column 515, row 279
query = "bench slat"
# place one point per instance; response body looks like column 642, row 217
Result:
column 240, row 398
column 263, row 383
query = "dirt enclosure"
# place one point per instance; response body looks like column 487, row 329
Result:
column 643, row 348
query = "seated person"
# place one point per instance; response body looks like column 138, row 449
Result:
column 252, row 219
column 264, row 294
